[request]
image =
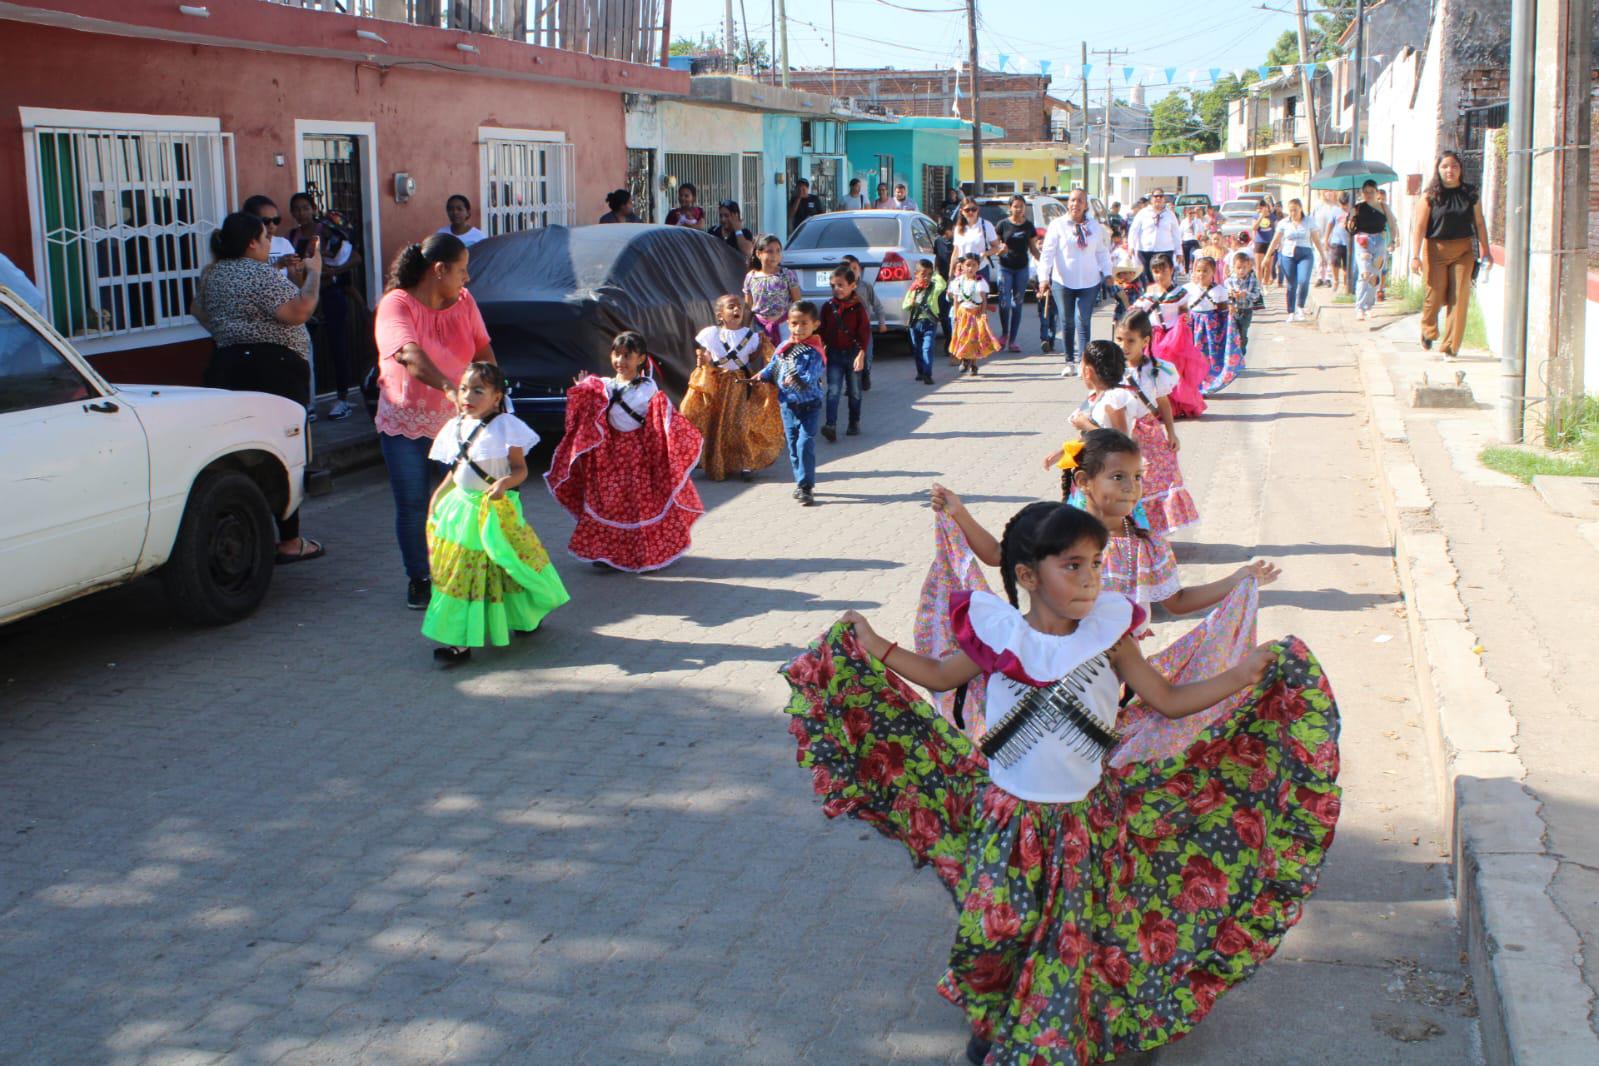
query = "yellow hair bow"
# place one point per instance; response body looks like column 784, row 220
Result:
column 1069, row 453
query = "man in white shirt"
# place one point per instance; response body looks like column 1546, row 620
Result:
column 1155, row 229
column 1073, row 262
column 902, row 198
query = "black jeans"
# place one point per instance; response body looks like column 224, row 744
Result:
column 268, row 368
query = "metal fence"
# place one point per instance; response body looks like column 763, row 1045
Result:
column 1476, row 124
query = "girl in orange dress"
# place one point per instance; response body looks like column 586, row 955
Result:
column 737, row 414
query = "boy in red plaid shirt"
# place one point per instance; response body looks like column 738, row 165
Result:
column 846, row 330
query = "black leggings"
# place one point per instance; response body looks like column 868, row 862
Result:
column 268, row 368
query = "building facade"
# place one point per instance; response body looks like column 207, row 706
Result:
column 111, row 208
column 1020, row 104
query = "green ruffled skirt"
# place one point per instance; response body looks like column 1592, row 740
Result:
column 491, row 574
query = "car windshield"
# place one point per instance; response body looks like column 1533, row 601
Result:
column 847, row 233
column 1239, row 207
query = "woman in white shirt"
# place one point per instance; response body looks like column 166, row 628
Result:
column 1295, row 246
column 459, row 210
column 975, row 235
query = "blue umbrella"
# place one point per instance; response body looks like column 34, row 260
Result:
column 1352, row 174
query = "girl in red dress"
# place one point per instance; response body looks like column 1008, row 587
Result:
column 623, row 466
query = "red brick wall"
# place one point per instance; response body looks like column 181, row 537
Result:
column 1015, row 102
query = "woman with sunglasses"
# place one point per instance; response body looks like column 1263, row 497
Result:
column 975, row 235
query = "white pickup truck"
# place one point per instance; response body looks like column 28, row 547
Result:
column 102, row 483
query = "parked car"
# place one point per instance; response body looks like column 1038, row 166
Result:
column 553, row 300
column 108, row 482
column 1238, row 216
column 1192, row 199
column 888, row 244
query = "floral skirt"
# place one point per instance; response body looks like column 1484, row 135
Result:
column 971, row 338
column 1232, row 358
column 1167, row 505
column 739, row 419
column 1105, row 926
column 491, row 574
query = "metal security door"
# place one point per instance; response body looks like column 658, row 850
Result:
column 641, row 181
column 333, row 178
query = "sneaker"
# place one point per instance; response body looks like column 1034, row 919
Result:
column 418, row 593
column 854, row 430
column 747, row 475
column 1046, row 346
column 807, row 498
column 830, row 433
column 449, row 656
column 340, row 411
column 1069, row 370
column 927, row 379
column 866, row 380
column 799, row 493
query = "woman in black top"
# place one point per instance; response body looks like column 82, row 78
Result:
column 620, row 202
column 1019, row 237
column 1368, row 229
column 730, row 228
column 1447, row 218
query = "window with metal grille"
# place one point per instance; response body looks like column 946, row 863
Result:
column 715, row 177
column 122, row 221
column 527, row 181
column 750, row 197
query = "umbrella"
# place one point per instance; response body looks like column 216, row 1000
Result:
column 1352, row 174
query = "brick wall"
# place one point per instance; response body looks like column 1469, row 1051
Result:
column 1015, row 102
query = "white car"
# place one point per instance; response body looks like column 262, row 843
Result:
column 108, row 482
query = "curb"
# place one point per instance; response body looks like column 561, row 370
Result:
column 1523, row 956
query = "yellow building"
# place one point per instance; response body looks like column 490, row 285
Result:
column 1035, row 167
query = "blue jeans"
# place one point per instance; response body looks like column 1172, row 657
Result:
column 841, row 378
column 1296, row 270
column 1048, row 315
column 924, row 342
column 799, row 426
column 412, row 477
column 1076, row 317
column 1012, row 299
column 1372, row 259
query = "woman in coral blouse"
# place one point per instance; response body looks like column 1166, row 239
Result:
column 428, row 329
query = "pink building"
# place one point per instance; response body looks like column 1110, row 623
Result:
column 132, row 127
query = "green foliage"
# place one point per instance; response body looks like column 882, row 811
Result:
column 749, row 53
column 1174, row 130
column 1524, row 464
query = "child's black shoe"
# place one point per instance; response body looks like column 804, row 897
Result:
column 830, row 433
column 799, row 493
column 854, row 430
column 448, row 656
column 807, row 498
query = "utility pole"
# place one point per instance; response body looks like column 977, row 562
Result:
column 1110, row 101
column 782, row 38
column 1083, row 70
column 729, row 32
column 832, row 19
column 1558, row 238
column 1304, row 86
column 1360, row 80
column 1518, row 222
column 977, row 99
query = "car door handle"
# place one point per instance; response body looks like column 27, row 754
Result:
column 104, row 407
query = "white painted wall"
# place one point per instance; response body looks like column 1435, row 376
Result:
column 1490, row 295
column 708, row 130
column 1134, row 176
column 1402, row 128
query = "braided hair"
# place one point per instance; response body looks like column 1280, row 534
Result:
column 1040, row 530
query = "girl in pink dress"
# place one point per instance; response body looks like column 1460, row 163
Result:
column 1167, row 505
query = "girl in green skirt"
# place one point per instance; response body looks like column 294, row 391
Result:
column 491, row 574
column 1101, row 907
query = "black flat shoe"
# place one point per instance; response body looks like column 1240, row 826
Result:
column 830, row 433
column 747, row 475
column 977, row 1050
column 418, row 592
column 448, row 656
column 854, row 430
column 807, row 498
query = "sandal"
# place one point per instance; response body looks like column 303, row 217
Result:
column 451, row 655
column 309, row 549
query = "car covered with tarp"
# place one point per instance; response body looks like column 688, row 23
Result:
column 554, row 298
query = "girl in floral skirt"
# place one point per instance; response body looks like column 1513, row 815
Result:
column 1167, row 506
column 491, row 575
column 1101, row 909
column 968, row 293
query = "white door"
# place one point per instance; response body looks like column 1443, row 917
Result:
column 77, row 474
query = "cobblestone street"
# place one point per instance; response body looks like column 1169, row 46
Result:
column 294, row 840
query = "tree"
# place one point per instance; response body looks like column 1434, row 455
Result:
column 1285, row 51
column 1209, row 109
column 1327, row 26
column 1173, row 120
column 752, row 54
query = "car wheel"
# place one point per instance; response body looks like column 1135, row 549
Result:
column 222, row 560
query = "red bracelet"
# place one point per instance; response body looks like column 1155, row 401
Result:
column 892, row 645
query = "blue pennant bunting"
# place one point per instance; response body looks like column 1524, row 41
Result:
column 1003, row 59
column 1215, row 73
column 1043, row 67
column 1127, row 74
column 1171, row 72
column 1088, row 70
column 1263, row 70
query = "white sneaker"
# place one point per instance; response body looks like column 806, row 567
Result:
column 339, row 411
column 1069, row 370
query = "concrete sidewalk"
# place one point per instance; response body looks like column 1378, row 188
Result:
column 1499, row 589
